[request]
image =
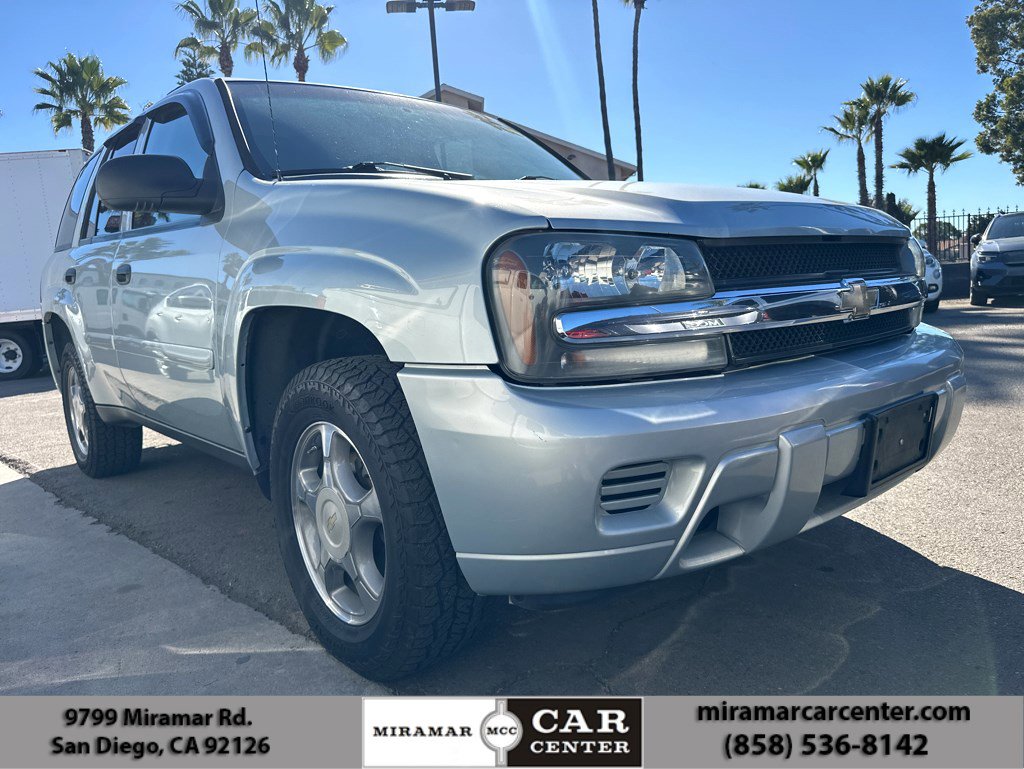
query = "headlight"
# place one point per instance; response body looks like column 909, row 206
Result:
column 986, row 257
column 918, row 261
column 533, row 278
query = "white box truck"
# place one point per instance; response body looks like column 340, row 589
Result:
column 34, row 189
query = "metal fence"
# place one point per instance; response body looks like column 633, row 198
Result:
column 953, row 231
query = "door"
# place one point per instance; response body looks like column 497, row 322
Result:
column 164, row 288
column 89, row 282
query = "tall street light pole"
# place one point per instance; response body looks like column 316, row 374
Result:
column 410, row 6
column 433, row 50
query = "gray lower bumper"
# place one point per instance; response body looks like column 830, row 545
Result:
column 754, row 457
column 998, row 279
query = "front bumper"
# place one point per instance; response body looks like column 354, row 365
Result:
column 753, row 457
column 998, row 278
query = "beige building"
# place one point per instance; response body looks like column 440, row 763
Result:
column 589, row 162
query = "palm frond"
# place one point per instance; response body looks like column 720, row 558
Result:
column 329, row 44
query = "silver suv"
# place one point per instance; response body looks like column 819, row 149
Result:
column 458, row 368
column 997, row 264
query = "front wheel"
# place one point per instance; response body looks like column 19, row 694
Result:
column 931, row 306
column 359, row 525
column 978, row 299
column 100, row 449
column 18, row 356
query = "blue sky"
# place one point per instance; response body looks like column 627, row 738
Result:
column 731, row 90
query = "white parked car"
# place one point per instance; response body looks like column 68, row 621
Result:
column 458, row 368
column 932, row 275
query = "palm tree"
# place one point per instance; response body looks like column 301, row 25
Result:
column 930, row 155
column 78, row 89
column 905, row 211
column 293, row 28
column 853, row 124
column 798, row 183
column 638, row 7
column 812, row 163
column 754, row 186
column 219, row 27
column 602, row 94
column 884, row 96
column 193, row 66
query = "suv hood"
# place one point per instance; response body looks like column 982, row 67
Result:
column 644, row 207
column 712, row 212
column 1002, row 245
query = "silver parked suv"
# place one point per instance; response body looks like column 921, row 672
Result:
column 997, row 264
column 458, row 368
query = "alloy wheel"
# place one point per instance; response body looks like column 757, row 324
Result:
column 338, row 523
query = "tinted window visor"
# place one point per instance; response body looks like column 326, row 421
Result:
column 324, row 129
column 1011, row 226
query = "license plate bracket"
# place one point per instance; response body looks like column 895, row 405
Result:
column 897, row 442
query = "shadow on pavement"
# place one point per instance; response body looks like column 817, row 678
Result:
column 986, row 353
column 840, row 610
column 39, row 383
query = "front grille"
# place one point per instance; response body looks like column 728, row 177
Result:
column 632, row 488
column 739, row 265
column 775, row 343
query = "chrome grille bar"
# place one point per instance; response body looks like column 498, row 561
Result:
column 731, row 312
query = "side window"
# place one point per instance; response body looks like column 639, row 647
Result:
column 68, row 222
column 103, row 221
column 171, row 133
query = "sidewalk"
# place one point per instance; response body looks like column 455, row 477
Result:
column 88, row 611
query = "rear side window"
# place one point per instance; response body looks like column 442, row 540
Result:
column 68, row 222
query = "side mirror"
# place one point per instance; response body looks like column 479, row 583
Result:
column 976, row 239
column 154, row 183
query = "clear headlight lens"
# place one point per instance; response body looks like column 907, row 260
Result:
column 918, row 261
column 534, row 277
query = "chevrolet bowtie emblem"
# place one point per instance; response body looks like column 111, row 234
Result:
column 856, row 297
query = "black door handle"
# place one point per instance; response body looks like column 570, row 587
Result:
column 69, row 275
column 123, row 273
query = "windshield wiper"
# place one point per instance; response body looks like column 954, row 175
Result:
column 378, row 167
column 382, row 165
column 533, row 178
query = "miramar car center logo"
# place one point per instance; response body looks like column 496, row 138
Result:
column 478, row 732
column 501, row 731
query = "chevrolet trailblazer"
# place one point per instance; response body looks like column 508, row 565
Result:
column 458, row 368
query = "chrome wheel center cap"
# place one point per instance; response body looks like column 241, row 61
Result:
column 333, row 522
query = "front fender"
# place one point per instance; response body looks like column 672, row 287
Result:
column 442, row 321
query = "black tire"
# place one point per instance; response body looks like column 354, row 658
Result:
column 110, row 449
column 20, row 347
column 931, row 306
column 427, row 610
column 978, row 299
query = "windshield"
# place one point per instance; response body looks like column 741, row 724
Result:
column 1007, row 227
column 324, row 128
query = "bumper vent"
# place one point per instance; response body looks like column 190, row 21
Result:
column 632, row 488
column 739, row 265
column 775, row 343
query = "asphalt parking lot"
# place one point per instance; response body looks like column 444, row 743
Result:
column 918, row 592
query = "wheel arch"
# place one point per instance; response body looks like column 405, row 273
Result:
column 56, row 334
column 274, row 344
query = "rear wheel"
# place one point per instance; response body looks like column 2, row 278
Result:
column 100, row 449
column 18, row 357
column 359, row 525
column 978, row 299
